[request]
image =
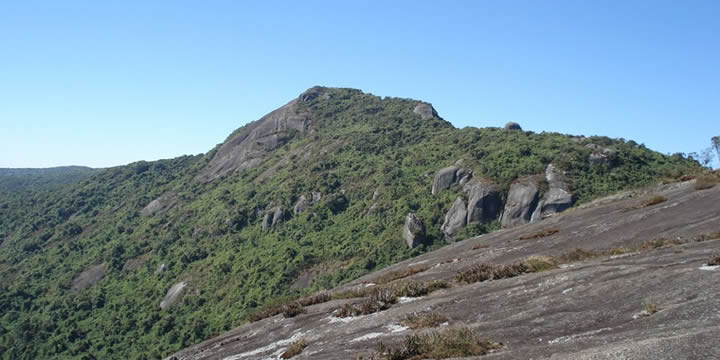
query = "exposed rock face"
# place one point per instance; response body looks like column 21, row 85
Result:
column 159, row 205
column 521, row 201
column 89, row 277
column 160, row 269
column 484, row 201
column 425, row 110
column 278, row 216
column 267, row 221
column 173, row 294
column 455, row 219
column 512, row 126
column 600, row 155
column 413, row 231
column 251, row 144
column 463, row 176
column 588, row 310
column 301, row 205
column 558, row 197
column 444, row 178
column 316, row 196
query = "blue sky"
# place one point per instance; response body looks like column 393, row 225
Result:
column 103, row 83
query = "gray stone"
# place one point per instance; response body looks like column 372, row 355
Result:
column 484, row 203
column 162, row 204
column 376, row 194
column 521, row 201
column 160, row 269
column 173, row 294
column 89, row 277
column 425, row 110
column 455, row 219
column 278, row 216
column 463, row 175
column 413, row 231
column 267, row 221
column 316, row 196
column 557, row 198
column 512, row 126
column 250, row 145
column 444, row 178
column 300, row 205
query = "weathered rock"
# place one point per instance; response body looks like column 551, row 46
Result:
column 463, row 175
column 521, row 201
column 444, row 178
column 267, row 221
column 164, row 203
column 512, row 126
column 413, row 231
column 455, row 219
column 316, row 196
column 300, row 205
column 606, row 156
column 278, row 215
column 160, row 269
column 173, row 294
column 249, row 146
column 425, row 110
column 376, row 194
column 89, row 277
column 484, row 203
column 557, row 198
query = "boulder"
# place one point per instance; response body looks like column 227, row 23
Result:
column 89, row 277
column 444, row 178
column 160, row 269
column 267, row 221
column 558, row 196
column 316, row 196
column 163, row 203
column 521, row 202
column 173, row 294
column 605, row 156
column 484, row 203
column 278, row 215
column 512, row 126
column 463, row 175
column 413, row 231
column 425, row 110
column 301, row 205
column 455, row 219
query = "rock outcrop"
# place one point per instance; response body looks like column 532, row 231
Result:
column 173, row 294
column 601, row 155
column 512, row 126
column 455, row 219
column 278, row 215
column 484, row 203
column 521, row 201
column 558, row 196
column 267, row 221
column 444, row 178
column 301, row 205
column 425, row 110
column 413, row 231
column 162, row 204
column 250, row 145
column 89, row 277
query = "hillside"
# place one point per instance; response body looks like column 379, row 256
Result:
column 13, row 180
column 622, row 279
column 142, row 260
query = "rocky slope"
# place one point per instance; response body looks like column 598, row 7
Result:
column 642, row 291
column 332, row 186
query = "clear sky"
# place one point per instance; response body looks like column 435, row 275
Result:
column 103, row 83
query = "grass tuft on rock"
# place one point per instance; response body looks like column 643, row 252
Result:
column 294, row 349
column 424, row 320
column 441, row 344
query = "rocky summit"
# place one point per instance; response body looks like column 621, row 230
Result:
column 343, row 220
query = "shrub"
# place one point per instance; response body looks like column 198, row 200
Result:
column 295, row 348
column 292, row 309
column 485, row 272
column 398, row 274
column 443, row 344
column 424, row 320
column 654, row 200
column 706, row 182
column 539, row 234
column 714, row 260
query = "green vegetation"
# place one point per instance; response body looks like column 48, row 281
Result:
column 441, row 344
column 211, row 235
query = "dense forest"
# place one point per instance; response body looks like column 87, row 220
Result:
column 84, row 265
